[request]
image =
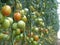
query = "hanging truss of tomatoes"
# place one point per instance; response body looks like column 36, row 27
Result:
column 28, row 22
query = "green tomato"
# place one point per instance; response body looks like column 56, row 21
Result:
column 6, row 37
column 38, row 20
column 34, row 16
column 24, row 18
column 21, row 24
column 17, row 31
column 36, row 29
column 6, row 24
column 21, row 35
column 17, row 38
column 26, row 10
column 42, row 24
column 10, row 19
column 35, row 42
column 22, row 12
column 19, row 6
column 31, row 39
column 14, row 26
column 1, row 36
column 1, row 18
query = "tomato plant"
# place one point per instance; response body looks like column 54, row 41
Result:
column 28, row 22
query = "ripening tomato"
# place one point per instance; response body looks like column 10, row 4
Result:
column 31, row 34
column 17, row 16
column 6, row 10
column 36, row 37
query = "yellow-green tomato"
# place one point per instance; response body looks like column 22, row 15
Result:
column 6, row 23
column 19, row 6
column 21, row 35
column 21, row 24
column 1, row 36
column 35, row 42
column 17, row 31
column 10, row 19
column 22, row 12
column 24, row 18
column 1, row 18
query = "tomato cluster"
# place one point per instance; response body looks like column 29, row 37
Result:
column 26, row 25
column 16, row 23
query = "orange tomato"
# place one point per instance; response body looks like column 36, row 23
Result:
column 6, row 10
column 36, row 37
column 17, row 16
